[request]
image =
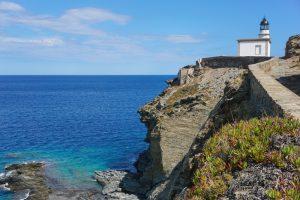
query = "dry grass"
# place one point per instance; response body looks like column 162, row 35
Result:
column 183, row 92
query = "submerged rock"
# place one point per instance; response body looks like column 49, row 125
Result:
column 26, row 180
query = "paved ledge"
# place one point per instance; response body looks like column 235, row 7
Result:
column 266, row 91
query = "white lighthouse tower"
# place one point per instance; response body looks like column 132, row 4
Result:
column 260, row 46
column 264, row 29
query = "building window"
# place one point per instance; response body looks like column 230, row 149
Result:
column 257, row 49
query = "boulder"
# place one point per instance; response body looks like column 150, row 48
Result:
column 115, row 182
column 293, row 46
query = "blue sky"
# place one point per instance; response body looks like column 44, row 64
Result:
column 132, row 36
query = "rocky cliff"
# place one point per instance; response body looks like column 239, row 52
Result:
column 196, row 104
column 175, row 118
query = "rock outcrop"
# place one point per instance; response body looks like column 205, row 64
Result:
column 26, row 180
column 196, row 104
column 114, row 182
column 179, row 116
column 293, row 46
column 29, row 181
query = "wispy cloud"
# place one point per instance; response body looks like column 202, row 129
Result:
column 75, row 36
column 74, row 21
column 183, row 39
column 50, row 42
column 106, row 48
column 174, row 38
column 94, row 15
column 10, row 6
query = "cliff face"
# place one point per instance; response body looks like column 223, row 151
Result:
column 196, row 104
column 174, row 119
column 191, row 109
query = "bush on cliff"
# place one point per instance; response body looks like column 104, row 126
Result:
column 239, row 145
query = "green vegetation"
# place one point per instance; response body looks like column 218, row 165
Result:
column 273, row 194
column 291, row 194
column 237, row 145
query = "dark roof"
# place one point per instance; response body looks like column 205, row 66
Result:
column 264, row 21
column 254, row 39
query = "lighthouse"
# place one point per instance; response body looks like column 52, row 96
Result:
column 260, row 46
column 264, row 29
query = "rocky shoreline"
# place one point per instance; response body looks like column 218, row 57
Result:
column 29, row 181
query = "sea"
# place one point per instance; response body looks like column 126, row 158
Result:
column 75, row 124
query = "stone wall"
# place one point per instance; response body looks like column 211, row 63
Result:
column 232, row 61
column 268, row 95
column 186, row 74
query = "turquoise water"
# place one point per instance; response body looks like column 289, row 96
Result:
column 76, row 124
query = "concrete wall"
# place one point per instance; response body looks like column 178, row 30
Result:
column 268, row 95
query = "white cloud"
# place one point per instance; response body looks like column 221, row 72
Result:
column 50, row 42
column 182, row 39
column 10, row 6
column 172, row 38
column 81, row 39
column 94, row 15
column 106, row 48
column 75, row 21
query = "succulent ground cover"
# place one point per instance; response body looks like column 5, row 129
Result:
column 246, row 143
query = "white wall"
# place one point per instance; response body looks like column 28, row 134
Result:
column 247, row 48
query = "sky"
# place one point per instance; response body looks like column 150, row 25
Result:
column 132, row 37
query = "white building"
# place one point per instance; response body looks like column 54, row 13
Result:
column 260, row 46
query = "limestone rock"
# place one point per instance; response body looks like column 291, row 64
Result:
column 185, row 74
column 114, row 182
column 174, row 119
column 293, row 46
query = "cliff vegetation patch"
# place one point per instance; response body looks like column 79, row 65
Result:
column 269, row 141
column 183, row 92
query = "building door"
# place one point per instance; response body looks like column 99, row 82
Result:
column 258, row 50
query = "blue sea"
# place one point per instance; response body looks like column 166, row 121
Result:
column 76, row 124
